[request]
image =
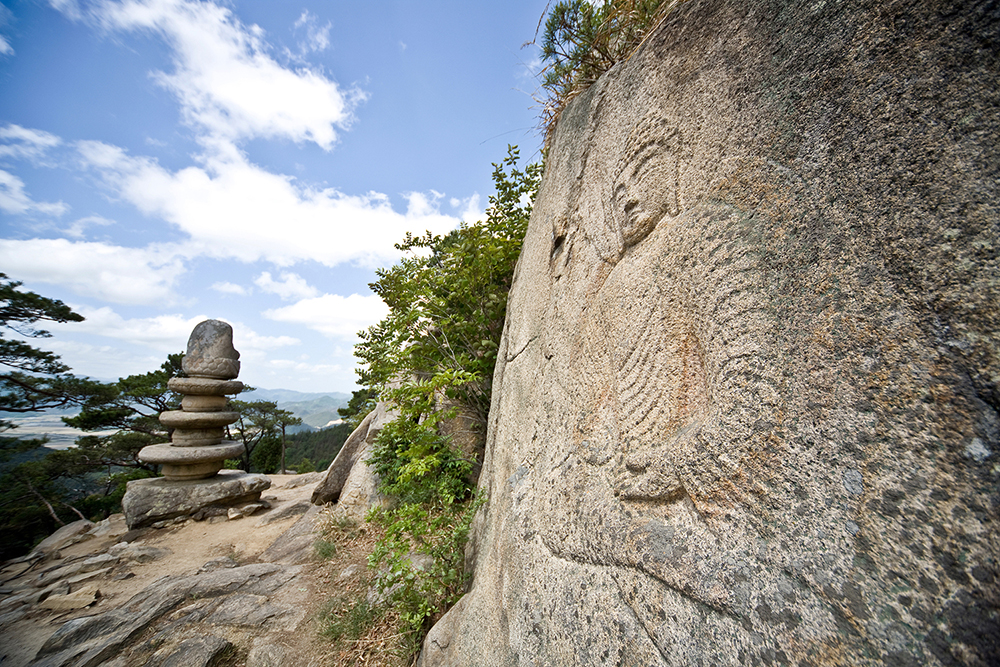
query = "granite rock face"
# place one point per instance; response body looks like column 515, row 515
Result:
column 349, row 481
column 746, row 410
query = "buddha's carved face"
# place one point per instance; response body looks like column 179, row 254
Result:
column 645, row 180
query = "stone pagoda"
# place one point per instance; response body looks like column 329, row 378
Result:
column 192, row 484
column 196, row 449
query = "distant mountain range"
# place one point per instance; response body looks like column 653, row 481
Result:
column 315, row 409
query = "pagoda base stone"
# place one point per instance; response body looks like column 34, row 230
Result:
column 147, row 501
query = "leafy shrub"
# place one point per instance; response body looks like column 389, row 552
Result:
column 584, row 39
column 420, row 561
column 431, row 356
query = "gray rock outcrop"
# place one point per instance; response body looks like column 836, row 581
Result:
column 746, row 410
column 349, row 481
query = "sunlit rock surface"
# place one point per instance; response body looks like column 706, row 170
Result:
column 746, row 408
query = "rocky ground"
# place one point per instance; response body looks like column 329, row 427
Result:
column 230, row 590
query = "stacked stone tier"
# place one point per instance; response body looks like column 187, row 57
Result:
column 197, row 449
column 180, row 419
column 204, row 386
column 170, row 454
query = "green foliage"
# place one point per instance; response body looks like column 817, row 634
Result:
column 584, row 39
column 417, row 465
column 32, row 379
column 266, row 457
column 319, row 447
column 447, row 305
column 304, row 466
column 433, row 355
column 420, row 560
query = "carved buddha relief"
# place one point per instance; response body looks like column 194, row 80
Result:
column 669, row 370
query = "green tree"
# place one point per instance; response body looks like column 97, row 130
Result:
column 584, row 39
column 284, row 420
column 261, row 424
column 433, row 355
column 34, row 496
column 31, row 379
column 131, row 407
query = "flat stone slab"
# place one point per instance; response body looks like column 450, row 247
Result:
column 167, row 453
column 147, row 501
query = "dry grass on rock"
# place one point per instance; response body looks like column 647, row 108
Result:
column 355, row 631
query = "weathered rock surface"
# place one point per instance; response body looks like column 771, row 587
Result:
column 92, row 640
column 349, row 481
column 746, row 407
column 64, row 536
column 123, row 580
column 157, row 499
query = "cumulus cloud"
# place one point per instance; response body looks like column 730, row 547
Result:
column 165, row 333
column 99, row 270
column 333, row 315
column 150, row 340
column 291, row 286
column 232, row 208
column 13, row 198
column 224, row 78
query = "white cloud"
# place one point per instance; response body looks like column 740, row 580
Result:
column 291, row 286
column 333, row 315
column 5, row 48
column 100, row 270
column 78, row 227
column 13, row 198
column 317, row 36
column 469, row 208
column 22, row 142
column 225, row 80
column 71, row 8
column 229, row 288
column 232, row 208
column 163, row 335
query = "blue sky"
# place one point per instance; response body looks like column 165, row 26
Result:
column 165, row 161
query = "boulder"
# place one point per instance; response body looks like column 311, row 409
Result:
column 66, row 535
column 328, row 490
column 150, row 501
column 349, row 481
column 746, row 406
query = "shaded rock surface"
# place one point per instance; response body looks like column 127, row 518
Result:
column 746, row 405
column 160, row 499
